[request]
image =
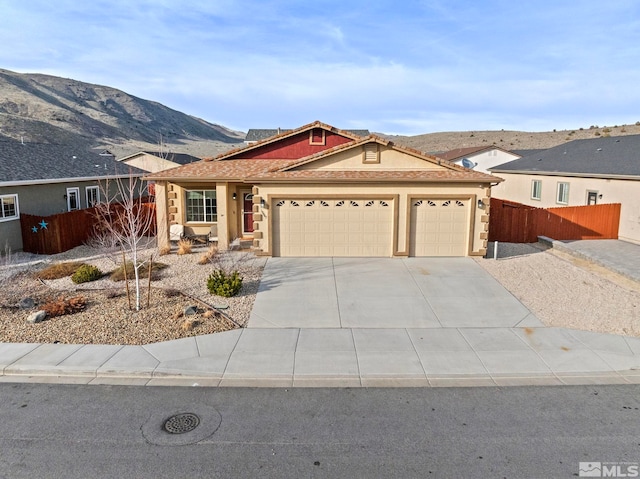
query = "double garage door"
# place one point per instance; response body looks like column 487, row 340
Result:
column 357, row 227
column 330, row 227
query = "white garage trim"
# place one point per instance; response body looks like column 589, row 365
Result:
column 333, row 226
column 440, row 226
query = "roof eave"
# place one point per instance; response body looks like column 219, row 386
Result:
column 49, row 181
column 603, row 176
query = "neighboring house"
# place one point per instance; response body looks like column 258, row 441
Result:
column 580, row 172
column 479, row 158
column 153, row 161
column 254, row 135
column 45, row 179
column 320, row 191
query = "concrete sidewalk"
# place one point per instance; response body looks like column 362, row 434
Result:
column 347, row 357
column 362, row 323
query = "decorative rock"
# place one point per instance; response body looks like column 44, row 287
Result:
column 26, row 303
column 36, row 317
column 190, row 310
column 221, row 306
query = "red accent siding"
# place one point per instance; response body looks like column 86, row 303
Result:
column 294, row 147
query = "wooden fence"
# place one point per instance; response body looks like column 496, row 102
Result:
column 57, row 233
column 517, row 223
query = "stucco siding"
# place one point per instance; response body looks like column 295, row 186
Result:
column 400, row 194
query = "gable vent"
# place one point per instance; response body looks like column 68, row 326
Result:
column 371, row 154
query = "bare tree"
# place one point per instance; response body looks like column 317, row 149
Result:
column 124, row 222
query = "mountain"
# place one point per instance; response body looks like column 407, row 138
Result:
column 49, row 109
column 507, row 139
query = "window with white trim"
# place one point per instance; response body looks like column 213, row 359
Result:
column 201, row 206
column 536, row 189
column 9, row 208
column 73, row 199
column 562, row 196
column 93, row 196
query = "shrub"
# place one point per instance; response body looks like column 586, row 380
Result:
column 165, row 250
column 118, row 274
column 86, row 273
column 60, row 270
column 62, row 306
column 221, row 284
column 184, row 246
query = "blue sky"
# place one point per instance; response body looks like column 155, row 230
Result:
column 403, row 67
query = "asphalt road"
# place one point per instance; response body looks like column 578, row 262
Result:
column 116, row 432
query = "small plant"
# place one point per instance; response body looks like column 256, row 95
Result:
column 209, row 255
column 222, row 284
column 60, row 270
column 597, row 133
column 118, row 274
column 86, row 273
column 184, row 246
column 165, row 250
column 62, row 306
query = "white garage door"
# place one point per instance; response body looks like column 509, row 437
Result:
column 330, row 227
column 439, row 227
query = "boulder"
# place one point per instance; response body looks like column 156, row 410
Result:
column 36, row 317
column 26, row 303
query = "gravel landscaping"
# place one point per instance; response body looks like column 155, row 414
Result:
column 566, row 292
column 561, row 290
column 108, row 319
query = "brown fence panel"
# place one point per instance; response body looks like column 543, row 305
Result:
column 57, row 233
column 517, row 223
column 511, row 222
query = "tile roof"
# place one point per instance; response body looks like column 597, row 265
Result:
column 283, row 134
column 282, row 170
column 607, row 156
column 376, row 175
column 255, row 134
column 222, row 170
column 40, row 162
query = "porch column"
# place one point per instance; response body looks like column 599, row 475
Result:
column 222, row 203
column 162, row 218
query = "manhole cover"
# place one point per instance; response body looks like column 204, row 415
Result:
column 181, row 423
column 177, row 427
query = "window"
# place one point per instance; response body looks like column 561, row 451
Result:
column 201, row 206
column 93, row 196
column 9, row 207
column 563, row 194
column 536, row 189
column 73, row 199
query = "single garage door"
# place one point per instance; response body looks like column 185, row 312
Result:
column 439, row 227
column 332, row 227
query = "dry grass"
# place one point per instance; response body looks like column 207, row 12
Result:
column 62, row 306
column 208, row 255
column 185, row 246
column 118, row 274
column 60, row 270
column 165, row 250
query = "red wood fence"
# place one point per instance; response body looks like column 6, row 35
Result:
column 57, row 233
column 517, row 223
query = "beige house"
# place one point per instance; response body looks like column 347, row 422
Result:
column 479, row 158
column 153, row 161
column 353, row 197
column 581, row 172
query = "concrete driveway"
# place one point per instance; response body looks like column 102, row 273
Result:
column 384, row 293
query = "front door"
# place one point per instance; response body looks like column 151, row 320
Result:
column 247, row 213
column 592, row 197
